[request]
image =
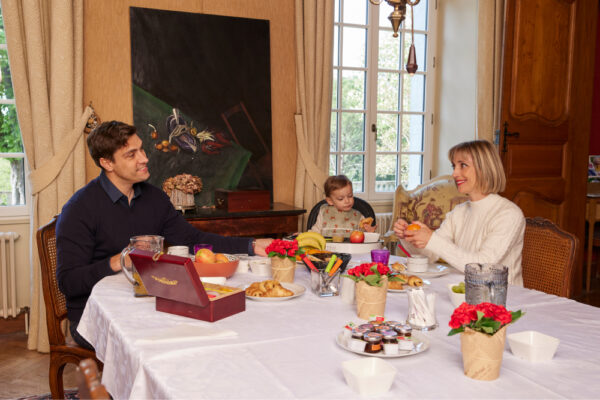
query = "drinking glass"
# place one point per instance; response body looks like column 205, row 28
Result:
column 380, row 256
column 486, row 283
column 324, row 285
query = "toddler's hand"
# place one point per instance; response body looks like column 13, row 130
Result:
column 369, row 228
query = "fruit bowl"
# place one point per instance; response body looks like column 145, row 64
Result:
column 225, row 269
column 456, row 298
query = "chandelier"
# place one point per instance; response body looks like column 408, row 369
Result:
column 396, row 17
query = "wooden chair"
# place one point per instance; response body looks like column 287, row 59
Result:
column 61, row 351
column 548, row 257
column 88, row 381
column 359, row 204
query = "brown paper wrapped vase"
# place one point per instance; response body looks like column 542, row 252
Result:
column 482, row 353
column 370, row 300
column 283, row 269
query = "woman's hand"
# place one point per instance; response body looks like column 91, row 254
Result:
column 400, row 228
column 420, row 237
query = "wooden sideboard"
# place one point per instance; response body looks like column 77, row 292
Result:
column 280, row 220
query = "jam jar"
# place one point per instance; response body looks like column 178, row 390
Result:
column 356, row 342
column 404, row 337
column 370, row 327
column 373, row 340
column 393, row 324
column 382, row 328
column 390, row 342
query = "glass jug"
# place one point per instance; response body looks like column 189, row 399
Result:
column 486, row 283
column 153, row 243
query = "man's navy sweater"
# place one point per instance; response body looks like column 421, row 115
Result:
column 97, row 222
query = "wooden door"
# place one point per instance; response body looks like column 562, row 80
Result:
column 547, row 83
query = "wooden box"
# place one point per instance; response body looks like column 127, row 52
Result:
column 242, row 200
column 178, row 289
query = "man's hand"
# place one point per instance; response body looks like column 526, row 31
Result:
column 260, row 245
column 115, row 262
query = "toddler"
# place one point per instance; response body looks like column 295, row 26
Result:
column 338, row 216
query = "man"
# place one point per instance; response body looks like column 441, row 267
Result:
column 97, row 222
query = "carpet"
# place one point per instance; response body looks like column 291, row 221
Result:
column 70, row 394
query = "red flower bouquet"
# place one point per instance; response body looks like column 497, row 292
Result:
column 283, row 248
column 486, row 318
column 371, row 273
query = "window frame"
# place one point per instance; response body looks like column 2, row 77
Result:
column 373, row 30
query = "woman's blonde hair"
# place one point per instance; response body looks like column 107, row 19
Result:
column 486, row 161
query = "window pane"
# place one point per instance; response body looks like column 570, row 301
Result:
column 12, row 182
column 412, row 133
column 420, row 16
column 334, row 89
column 336, row 13
column 336, row 42
column 353, row 52
column 353, row 128
column 333, row 164
column 413, row 93
column 353, row 167
column 420, row 50
column 411, row 170
column 6, row 90
column 355, row 12
column 389, row 52
column 334, row 133
column 387, row 91
column 387, row 132
column 10, row 134
column 385, row 172
column 353, row 90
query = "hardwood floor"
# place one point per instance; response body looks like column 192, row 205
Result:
column 24, row 372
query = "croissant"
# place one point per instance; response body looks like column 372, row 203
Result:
column 397, row 266
column 279, row 291
column 365, row 222
column 396, row 285
column 254, row 292
column 415, row 281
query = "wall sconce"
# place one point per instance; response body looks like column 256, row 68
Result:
column 396, row 17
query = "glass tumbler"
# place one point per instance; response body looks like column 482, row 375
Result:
column 486, row 283
column 323, row 284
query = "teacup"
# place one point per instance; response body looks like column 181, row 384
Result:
column 417, row 263
column 153, row 243
column 182, row 251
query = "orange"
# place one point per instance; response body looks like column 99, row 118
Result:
column 413, row 227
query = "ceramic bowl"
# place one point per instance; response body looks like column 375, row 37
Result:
column 371, row 237
column 260, row 267
column 532, row 345
column 369, row 376
column 226, row 269
column 417, row 263
column 456, row 298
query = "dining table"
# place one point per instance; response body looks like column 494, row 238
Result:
column 288, row 349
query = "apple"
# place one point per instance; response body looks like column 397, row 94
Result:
column 357, row 237
column 221, row 258
column 205, row 256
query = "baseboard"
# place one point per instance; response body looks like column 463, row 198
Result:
column 13, row 325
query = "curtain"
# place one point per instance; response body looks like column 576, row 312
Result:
column 45, row 48
column 314, row 47
column 489, row 66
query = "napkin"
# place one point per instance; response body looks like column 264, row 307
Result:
column 184, row 332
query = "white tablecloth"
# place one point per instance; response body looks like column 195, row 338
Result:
column 287, row 349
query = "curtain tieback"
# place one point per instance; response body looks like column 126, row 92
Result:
column 314, row 172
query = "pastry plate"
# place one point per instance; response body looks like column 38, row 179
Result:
column 297, row 289
column 407, row 287
column 421, row 344
column 433, row 271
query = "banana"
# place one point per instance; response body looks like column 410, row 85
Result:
column 309, row 242
column 315, row 236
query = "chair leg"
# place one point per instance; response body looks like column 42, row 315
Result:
column 55, row 378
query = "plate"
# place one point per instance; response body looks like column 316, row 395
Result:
column 297, row 289
column 433, row 271
column 421, row 345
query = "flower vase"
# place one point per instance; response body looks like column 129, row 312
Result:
column 181, row 199
column 370, row 300
column 283, row 269
column 482, row 353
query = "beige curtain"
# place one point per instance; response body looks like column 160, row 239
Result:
column 489, row 66
column 45, row 48
column 314, row 46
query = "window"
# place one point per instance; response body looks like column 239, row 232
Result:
column 12, row 155
column 381, row 115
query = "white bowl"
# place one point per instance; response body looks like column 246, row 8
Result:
column 371, row 237
column 417, row 263
column 352, row 248
column 261, row 267
column 456, row 298
column 369, row 376
column 532, row 345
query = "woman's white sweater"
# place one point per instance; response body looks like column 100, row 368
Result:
column 489, row 230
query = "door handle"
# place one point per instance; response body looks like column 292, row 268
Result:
column 506, row 134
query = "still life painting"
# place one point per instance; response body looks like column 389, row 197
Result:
column 202, row 99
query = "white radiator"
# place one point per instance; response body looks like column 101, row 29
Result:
column 8, row 276
column 384, row 222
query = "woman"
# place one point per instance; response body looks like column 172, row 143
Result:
column 486, row 229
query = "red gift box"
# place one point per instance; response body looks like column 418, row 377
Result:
column 174, row 282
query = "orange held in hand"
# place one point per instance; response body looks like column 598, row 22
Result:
column 413, row 227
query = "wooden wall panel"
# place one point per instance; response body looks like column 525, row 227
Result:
column 107, row 68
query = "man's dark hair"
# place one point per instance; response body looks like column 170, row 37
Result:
column 107, row 138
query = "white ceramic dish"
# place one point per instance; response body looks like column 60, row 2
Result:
column 456, row 298
column 434, row 271
column 353, row 248
column 532, row 345
column 421, row 344
column 371, row 237
column 260, row 267
column 294, row 287
column 369, row 376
